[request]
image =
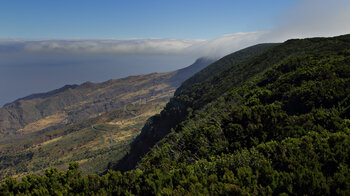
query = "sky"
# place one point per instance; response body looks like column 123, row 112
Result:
column 45, row 45
column 186, row 19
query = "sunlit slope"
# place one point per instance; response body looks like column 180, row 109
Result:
column 94, row 143
column 73, row 103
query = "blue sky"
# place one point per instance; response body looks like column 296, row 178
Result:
column 137, row 18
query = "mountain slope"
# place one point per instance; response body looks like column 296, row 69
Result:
column 94, row 143
column 176, row 110
column 221, row 64
column 283, row 131
column 83, row 101
column 194, row 97
column 78, row 102
column 307, row 88
column 187, row 72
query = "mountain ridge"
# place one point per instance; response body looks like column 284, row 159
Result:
column 45, row 94
column 77, row 100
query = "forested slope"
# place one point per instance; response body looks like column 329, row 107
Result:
column 179, row 106
column 277, row 123
column 223, row 63
column 198, row 95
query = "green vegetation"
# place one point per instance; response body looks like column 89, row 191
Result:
column 274, row 124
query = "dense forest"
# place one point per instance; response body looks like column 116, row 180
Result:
column 276, row 123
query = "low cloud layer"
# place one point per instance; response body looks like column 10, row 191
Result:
column 189, row 47
column 99, row 46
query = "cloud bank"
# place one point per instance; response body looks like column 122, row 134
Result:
column 189, row 47
column 100, row 46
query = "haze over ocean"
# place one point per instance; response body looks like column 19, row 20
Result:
column 30, row 75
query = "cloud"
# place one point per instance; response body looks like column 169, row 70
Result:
column 108, row 46
column 309, row 18
column 225, row 44
column 313, row 18
column 189, row 47
column 99, row 46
